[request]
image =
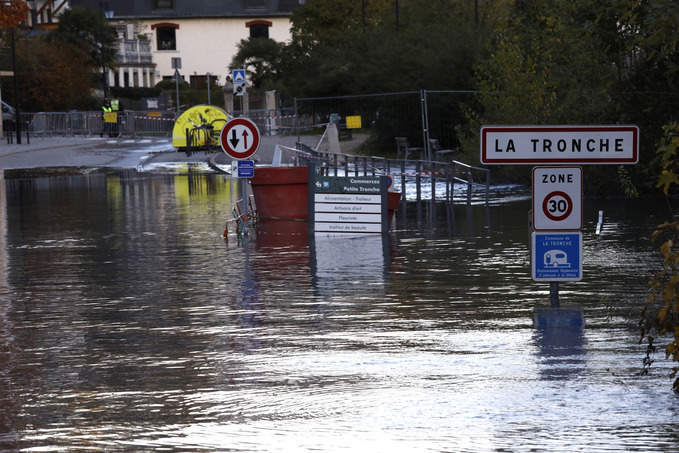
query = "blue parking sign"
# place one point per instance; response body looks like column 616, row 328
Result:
column 557, row 256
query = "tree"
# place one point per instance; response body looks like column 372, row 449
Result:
column 547, row 66
column 53, row 76
column 12, row 13
column 660, row 315
column 260, row 57
column 85, row 29
column 340, row 50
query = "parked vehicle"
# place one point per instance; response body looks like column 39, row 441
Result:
column 7, row 116
column 7, row 111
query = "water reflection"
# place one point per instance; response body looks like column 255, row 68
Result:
column 561, row 352
column 128, row 323
column 347, row 264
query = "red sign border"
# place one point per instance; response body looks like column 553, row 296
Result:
column 240, row 122
column 491, row 161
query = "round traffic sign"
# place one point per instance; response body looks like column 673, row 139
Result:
column 557, row 206
column 240, row 138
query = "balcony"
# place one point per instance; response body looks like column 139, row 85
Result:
column 134, row 52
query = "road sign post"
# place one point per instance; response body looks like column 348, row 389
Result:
column 556, row 242
column 239, row 82
column 239, row 139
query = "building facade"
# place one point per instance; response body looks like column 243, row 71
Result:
column 157, row 36
column 44, row 14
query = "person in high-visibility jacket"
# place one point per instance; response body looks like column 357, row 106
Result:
column 106, row 128
column 116, row 106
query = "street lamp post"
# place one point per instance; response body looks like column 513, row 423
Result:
column 209, row 101
column 105, row 13
column 17, row 114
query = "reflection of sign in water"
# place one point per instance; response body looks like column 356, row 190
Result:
column 338, row 263
column 557, row 256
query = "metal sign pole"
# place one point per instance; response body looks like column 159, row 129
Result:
column 554, row 294
column 244, row 211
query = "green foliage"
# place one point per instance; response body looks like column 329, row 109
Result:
column 661, row 311
column 136, row 93
column 260, row 57
column 548, row 67
column 434, row 46
column 668, row 154
column 626, row 183
column 53, row 76
column 169, row 85
column 86, row 29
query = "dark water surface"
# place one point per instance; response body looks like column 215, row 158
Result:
column 128, row 324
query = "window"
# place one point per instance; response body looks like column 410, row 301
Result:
column 162, row 4
column 166, row 37
column 255, row 3
column 259, row 28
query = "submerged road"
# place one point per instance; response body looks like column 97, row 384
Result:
column 95, row 152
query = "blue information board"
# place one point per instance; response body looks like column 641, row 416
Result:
column 243, row 168
column 557, row 256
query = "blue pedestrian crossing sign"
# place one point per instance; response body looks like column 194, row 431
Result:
column 557, row 256
column 239, row 76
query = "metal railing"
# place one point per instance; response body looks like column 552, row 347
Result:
column 423, row 175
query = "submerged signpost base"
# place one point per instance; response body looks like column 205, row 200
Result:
column 555, row 316
column 549, row 317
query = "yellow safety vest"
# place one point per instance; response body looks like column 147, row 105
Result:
column 115, row 104
column 107, row 109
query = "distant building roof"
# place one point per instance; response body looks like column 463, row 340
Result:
column 158, row 9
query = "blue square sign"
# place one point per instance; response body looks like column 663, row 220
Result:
column 557, row 256
column 243, row 168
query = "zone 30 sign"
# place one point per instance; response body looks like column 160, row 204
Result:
column 557, row 198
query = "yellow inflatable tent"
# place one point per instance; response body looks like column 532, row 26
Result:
column 202, row 123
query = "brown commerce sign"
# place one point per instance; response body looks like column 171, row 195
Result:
column 512, row 145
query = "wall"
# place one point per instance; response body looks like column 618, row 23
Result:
column 206, row 44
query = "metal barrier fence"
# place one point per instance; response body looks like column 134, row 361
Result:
column 144, row 123
column 419, row 116
column 128, row 123
column 423, row 175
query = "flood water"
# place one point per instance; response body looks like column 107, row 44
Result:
column 127, row 323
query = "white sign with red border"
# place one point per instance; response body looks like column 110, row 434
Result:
column 557, row 198
column 240, row 138
column 580, row 145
